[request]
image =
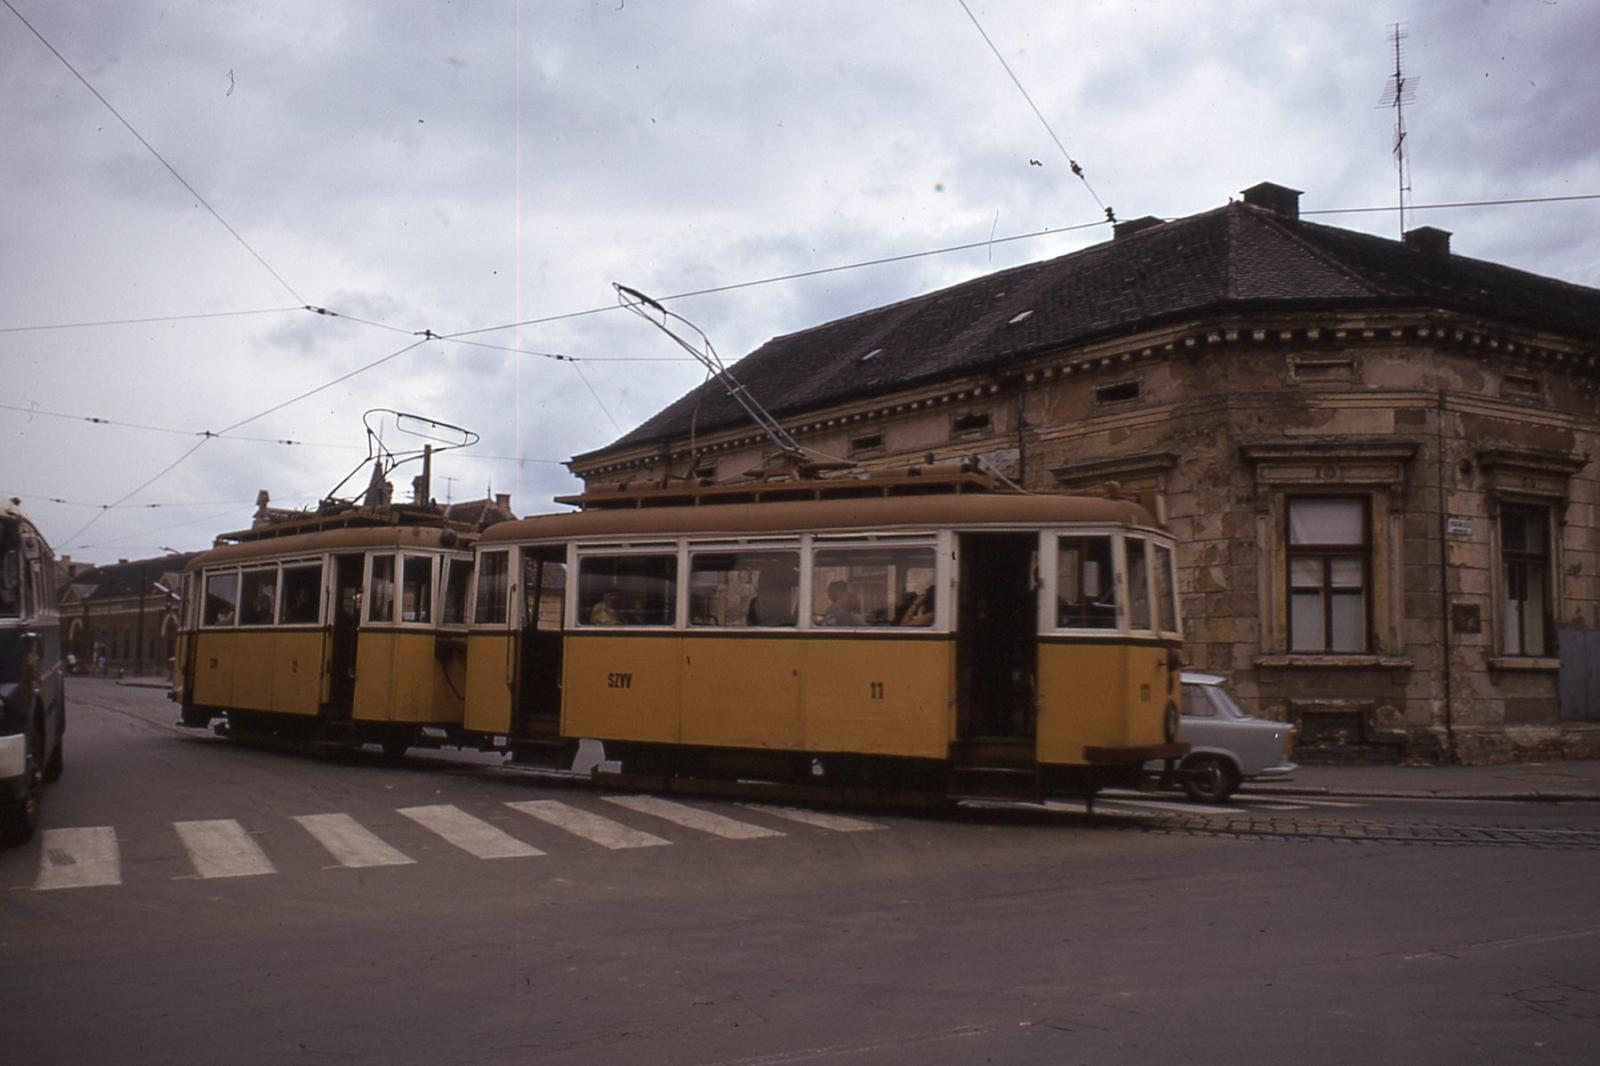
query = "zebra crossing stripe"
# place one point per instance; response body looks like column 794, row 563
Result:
column 222, row 848
column 472, row 835
column 836, row 822
column 591, row 827
column 349, row 842
column 79, row 858
column 693, row 817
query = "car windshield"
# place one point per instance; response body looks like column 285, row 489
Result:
column 1224, row 701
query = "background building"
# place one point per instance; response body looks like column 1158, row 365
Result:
column 1379, row 456
column 125, row 613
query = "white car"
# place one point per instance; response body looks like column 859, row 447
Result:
column 1226, row 744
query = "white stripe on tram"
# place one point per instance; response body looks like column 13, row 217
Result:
column 349, row 842
column 589, row 826
column 79, row 858
column 472, row 835
column 693, row 817
column 836, row 822
column 222, row 848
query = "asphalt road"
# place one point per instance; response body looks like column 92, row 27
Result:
column 349, row 916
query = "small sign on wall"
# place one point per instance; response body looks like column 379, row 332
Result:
column 1458, row 527
column 1466, row 618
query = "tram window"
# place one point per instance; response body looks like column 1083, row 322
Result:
column 632, row 590
column 744, row 588
column 1166, row 598
column 457, row 580
column 416, row 589
column 1138, row 584
column 258, row 591
column 544, row 589
column 302, row 585
column 380, row 590
column 222, row 598
column 1086, row 596
column 494, row 584
column 873, row 586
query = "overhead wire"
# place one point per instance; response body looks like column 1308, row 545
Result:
column 1072, row 164
column 153, row 320
column 1459, row 203
column 152, row 150
column 777, row 278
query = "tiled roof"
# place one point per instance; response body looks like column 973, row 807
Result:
column 1236, row 257
column 125, row 579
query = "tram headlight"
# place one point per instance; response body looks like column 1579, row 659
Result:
column 1169, row 722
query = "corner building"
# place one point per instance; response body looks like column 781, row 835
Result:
column 1380, row 458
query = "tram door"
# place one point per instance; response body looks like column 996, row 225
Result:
column 344, row 618
column 544, row 587
column 997, row 644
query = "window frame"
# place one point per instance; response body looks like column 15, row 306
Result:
column 1327, row 552
column 1544, row 559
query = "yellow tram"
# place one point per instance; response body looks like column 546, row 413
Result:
column 884, row 633
column 346, row 627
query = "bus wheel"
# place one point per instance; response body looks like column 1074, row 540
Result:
column 19, row 815
column 57, row 761
column 1211, row 779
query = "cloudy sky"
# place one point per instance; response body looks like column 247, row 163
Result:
column 459, row 166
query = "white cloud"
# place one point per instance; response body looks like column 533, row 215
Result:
column 382, row 159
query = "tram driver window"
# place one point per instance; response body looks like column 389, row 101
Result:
column 627, row 590
column 222, row 598
column 1138, row 583
column 416, row 589
column 873, row 586
column 744, row 588
column 380, row 590
column 1086, row 590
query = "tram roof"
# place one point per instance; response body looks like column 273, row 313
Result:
column 355, row 538
column 834, row 515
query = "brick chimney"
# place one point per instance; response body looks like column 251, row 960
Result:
column 1279, row 199
column 503, row 499
column 1431, row 242
column 1132, row 226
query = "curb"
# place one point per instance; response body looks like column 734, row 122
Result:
column 1415, row 794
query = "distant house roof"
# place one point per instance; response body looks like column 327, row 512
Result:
column 1239, row 257
column 125, row 579
column 481, row 513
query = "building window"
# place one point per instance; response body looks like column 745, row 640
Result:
column 1329, row 558
column 1119, row 392
column 867, row 444
column 1525, row 554
column 970, row 424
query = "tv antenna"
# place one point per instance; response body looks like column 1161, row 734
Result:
column 1399, row 92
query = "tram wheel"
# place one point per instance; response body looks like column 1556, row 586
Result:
column 1210, row 779
column 395, row 744
column 19, row 815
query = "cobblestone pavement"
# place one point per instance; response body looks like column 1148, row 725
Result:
column 1417, row 834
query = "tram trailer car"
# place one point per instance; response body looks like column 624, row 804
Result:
column 33, row 702
column 970, row 644
column 340, row 635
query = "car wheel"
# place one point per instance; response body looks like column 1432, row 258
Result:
column 19, row 815
column 1210, row 779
